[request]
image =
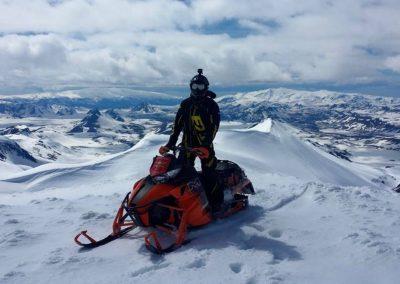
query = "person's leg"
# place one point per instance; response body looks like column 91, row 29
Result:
column 214, row 192
column 186, row 158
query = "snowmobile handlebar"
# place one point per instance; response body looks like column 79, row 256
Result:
column 182, row 148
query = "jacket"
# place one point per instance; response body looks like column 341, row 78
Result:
column 198, row 119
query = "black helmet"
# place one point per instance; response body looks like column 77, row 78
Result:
column 198, row 85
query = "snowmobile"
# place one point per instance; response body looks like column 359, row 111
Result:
column 172, row 199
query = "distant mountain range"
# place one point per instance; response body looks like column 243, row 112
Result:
column 66, row 102
column 35, row 109
column 74, row 123
column 371, row 119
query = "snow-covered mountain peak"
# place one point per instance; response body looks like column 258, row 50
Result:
column 264, row 126
column 89, row 123
column 145, row 108
column 114, row 115
column 93, row 113
column 272, row 147
column 94, row 120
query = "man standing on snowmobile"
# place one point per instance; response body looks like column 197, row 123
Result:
column 198, row 117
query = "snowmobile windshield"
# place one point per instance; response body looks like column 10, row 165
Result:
column 167, row 176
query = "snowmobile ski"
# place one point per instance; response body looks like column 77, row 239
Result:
column 94, row 244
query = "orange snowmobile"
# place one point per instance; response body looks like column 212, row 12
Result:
column 171, row 199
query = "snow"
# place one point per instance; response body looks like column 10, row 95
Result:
column 11, row 152
column 315, row 219
column 8, row 169
column 280, row 152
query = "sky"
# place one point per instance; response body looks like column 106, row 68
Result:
column 342, row 45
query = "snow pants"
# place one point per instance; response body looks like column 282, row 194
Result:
column 213, row 190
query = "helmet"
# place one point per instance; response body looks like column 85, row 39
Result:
column 198, row 85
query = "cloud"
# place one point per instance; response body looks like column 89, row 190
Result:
column 393, row 63
column 25, row 57
column 162, row 42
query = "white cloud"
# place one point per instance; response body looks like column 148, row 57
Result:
column 393, row 63
column 25, row 58
column 160, row 42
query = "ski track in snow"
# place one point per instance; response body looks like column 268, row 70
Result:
column 298, row 228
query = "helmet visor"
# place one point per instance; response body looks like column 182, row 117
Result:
column 196, row 86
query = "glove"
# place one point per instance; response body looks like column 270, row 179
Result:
column 202, row 152
column 163, row 150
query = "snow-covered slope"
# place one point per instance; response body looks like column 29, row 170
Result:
column 274, row 149
column 13, row 158
column 12, row 152
column 315, row 219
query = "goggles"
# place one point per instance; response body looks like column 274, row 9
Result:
column 200, row 87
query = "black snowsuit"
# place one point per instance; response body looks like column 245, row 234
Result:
column 199, row 120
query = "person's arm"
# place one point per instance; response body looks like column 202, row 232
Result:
column 214, row 124
column 177, row 128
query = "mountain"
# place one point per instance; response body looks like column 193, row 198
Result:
column 145, row 108
column 90, row 123
column 102, row 98
column 343, row 125
column 347, row 119
column 17, row 129
column 114, row 115
column 35, row 109
column 61, row 110
column 310, row 109
column 11, row 152
column 107, row 121
column 315, row 218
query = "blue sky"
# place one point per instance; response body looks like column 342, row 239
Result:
column 241, row 45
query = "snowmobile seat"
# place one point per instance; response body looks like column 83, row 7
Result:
column 230, row 175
